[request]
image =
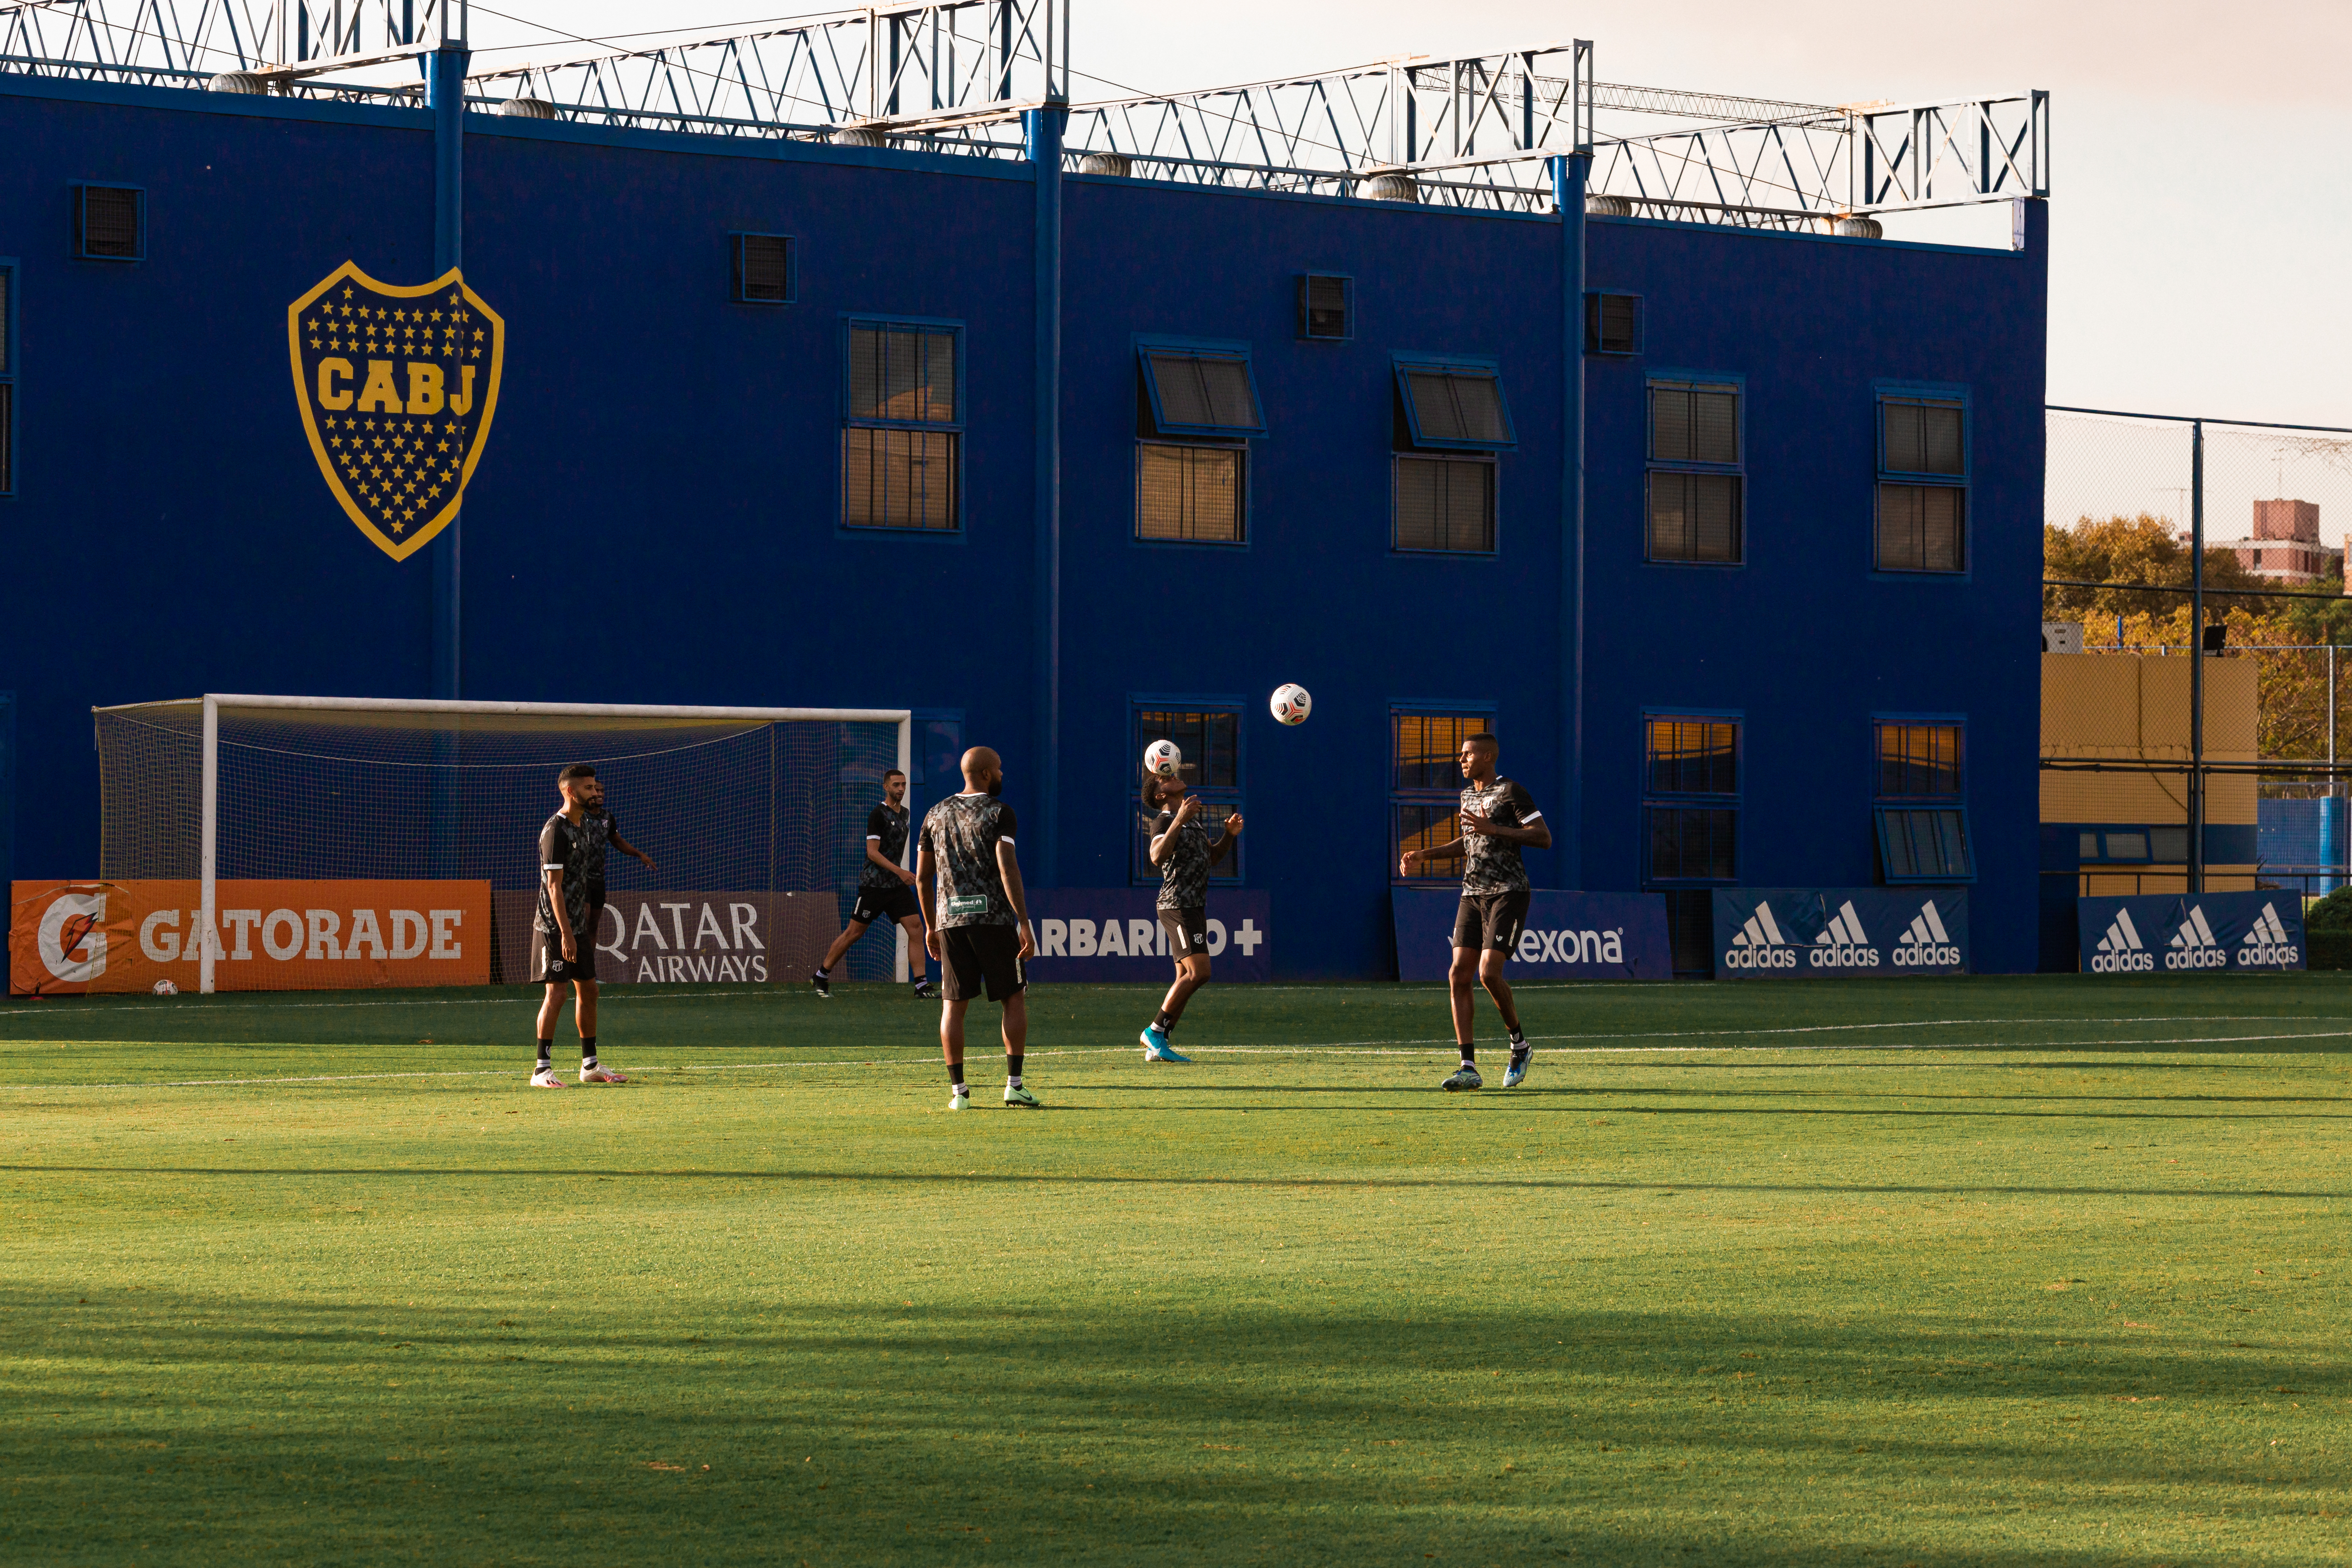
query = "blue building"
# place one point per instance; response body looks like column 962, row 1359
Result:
column 1068, row 427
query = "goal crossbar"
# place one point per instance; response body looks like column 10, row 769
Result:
column 214, row 702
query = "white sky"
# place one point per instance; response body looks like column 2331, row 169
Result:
column 2199, row 247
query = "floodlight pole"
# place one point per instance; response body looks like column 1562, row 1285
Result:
column 2196, row 656
column 1043, row 129
column 1569, row 175
column 444, row 83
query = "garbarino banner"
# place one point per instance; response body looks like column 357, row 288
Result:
column 1114, row 933
column 1568, row 936
column 1815, row 934
column 68, row 939
column 2179, row 933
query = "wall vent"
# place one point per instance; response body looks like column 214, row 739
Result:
column 528, row 109
column 1612, row 324
column 764, row 270
column 1119, row 165
column 110, row 223
column 1608, row 206
column 1326, row 306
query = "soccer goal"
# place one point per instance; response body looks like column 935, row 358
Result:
column 767, row 804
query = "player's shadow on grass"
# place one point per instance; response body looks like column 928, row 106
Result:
column 1373, row 1431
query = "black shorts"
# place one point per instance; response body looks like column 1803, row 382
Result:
column 584, row 943
column 1188, row 933
column 1491, row 920
column 986, row 955
column 893, row 904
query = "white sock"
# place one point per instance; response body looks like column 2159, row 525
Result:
column 1013, row 1081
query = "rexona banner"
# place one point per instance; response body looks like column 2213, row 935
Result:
column 1568, row 936
column 2177, row 933
column 1811, row 933
column 1114, row 933
column 69, row 938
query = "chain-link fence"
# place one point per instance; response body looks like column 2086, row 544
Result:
column 2268, row 769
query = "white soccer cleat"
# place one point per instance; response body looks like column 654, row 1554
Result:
column 546, row 1079
column 960, row 1100
column 600, row 1075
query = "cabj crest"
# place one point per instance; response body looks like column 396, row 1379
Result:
column 397, row 387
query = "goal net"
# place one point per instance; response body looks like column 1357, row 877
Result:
column 767, row 804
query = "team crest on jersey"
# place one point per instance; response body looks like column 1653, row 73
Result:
column 397, row 385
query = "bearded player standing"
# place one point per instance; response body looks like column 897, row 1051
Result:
column 1498, row 819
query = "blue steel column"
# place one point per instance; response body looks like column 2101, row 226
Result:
column 1043, row 128
column 1568, row 177
column 444, row 87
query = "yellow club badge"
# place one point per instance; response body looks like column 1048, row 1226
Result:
column 397, row 386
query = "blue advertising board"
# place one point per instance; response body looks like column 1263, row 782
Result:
column 2178, row 933
column 1568, row 936
column 1113, row 933
column 1814, row 933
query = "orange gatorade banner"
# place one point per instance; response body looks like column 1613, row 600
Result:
column 65, row 939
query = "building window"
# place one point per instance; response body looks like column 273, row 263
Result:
column 1425, row 782
column 1195, row 489
column 110, row 223
column 1612, row 324
column 1189, row 492
column 1921, row 815
column 1444, row 503
column 902, row 439
column 8, row 378
column 1450, row 419
column 1923, row 485
column 1326, row 307
column 766, row 269
column 1697, row 482
column 1690, row 789
column 1210, row 737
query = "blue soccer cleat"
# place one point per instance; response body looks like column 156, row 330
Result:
column 1156, row 1048
column 1516, row 1073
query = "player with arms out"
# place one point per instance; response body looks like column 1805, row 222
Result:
column 570, row 939
column 1184, row 850
column 886, row 890
column 978, row 915
column 1498, row 819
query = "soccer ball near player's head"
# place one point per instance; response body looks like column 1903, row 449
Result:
column 1478, row 756
column 1162, row 759
column 577, row 783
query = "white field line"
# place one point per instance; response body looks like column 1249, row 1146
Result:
column 1394, row 1048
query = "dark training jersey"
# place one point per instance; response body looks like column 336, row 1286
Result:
column 1490, row 865
column 564, row 848
column 962, row 833
column 886, row 830
column 598, row 829
column 1184, row 875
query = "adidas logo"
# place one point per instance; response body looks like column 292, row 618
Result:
column 1841, row 944
column 2121, row 951
column 1926, row 944
column 2194, row 946
column 1758, row 944
column 2266, row 943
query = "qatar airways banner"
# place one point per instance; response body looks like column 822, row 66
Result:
column 1818, row 933
column 2178, row 933
column 1568, row 936
column 1114, row 933
column 66, row 939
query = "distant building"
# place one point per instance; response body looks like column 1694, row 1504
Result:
column 2286, row 543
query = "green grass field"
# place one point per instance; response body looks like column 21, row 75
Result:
column 1995, row 1271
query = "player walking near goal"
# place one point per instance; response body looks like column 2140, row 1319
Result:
column 977, row 916
column 1498, row 819
column 886, row 890
column 1184, row 850
column 570, row 939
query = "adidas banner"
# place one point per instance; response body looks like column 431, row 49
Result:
column 1812, row 933
column 2159, row 933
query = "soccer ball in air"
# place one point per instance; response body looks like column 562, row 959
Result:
column 165, row 988
column 1291, row 704
column 1161, row 759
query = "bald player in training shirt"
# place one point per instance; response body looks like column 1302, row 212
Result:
column 1498, row 819
column 977, row 913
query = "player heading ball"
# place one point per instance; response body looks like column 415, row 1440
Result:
column 1497, row 820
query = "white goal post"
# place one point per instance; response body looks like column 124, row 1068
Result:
column 445, row 722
